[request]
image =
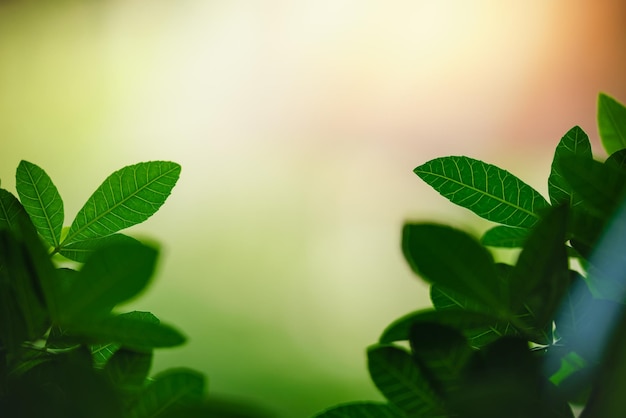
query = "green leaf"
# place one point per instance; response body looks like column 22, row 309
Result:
column 541, row 275
column 134, row 330
column 574, row 143
column 112, row 274
column 399, row 378
column 10, row 209
column 600, row 186
column 127, row 369
column 468, row 321
column 127, row 197
column 41, row 200
column 442, row 352
column 505, row 236
column 451, row 258
column 361, row 410
column 617, row 159
column 170, row 389
column 611, row 123
column 81, row 250
column 489, row 191
column 102, row 353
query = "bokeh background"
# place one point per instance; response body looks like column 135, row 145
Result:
column 298, row 124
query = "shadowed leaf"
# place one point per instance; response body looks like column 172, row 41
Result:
column 10, row 209
column 505, row 236
column 80, row 251
column 574, row 143
column 361, row 410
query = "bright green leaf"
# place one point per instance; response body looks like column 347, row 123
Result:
column 10, row 209
column 169, row 390
column 111, row 275
column 81, row 250
column 361, row 410
column 451, row 258
column 574, row 143
column 505, row 236
column 127, row 197
column 41, row 200
column 399, row 378
column 489, row 191
column 611, row 123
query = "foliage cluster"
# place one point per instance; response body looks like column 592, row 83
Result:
column 528, row 339
column 65, row 350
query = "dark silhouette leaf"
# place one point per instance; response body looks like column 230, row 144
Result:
column 574, row 143
column 81, row 250
column 361, row 410
column 10, row 209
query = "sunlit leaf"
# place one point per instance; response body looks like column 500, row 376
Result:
column 41, row 200
column 399, row 378
column 361, row 410
column 611, row 123
column 574, row 143
column 135, row 330
column 489, row 191
column 10, row 209
column 81, row 250
column 169, row 390
column 111, row 275
column 127, row 197
column 451, row 258
column 505, row 236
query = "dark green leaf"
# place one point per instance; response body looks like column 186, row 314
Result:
column 128, row 369
column 599, row 185
column 361, row 410
column 135, row 330
column 127, row 197
column 617, row 160
column 399, row 378
column 541, row 275
column 112, row 274
column 442, row 353
column 611, row 123
column 451, row 258
column 505, row 236
column 10, row 209
column 574, row 143
column 468, row 321
column 169, row 390
column 102, row 353
column 41, row 200
column 489, row 191
column 80, row 251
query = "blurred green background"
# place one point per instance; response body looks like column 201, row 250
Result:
column 298, row 124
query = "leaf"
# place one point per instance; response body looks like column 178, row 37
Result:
column 170, row 389
column 611, row 123
column 468, row 321
column 505, row 236
column 574, row 143
column 134, row 330
column 490, row 192
column 41, row 200
column 81, row 250
column 102, row 353
column 127, row 369
column 449, row 257
column 442, row 352
column 112, row 274
column 361, row 410
column 399, row 379
column 600, row 186
column 10, row 209
column 541, row 275
column 617, row 159
column 127, row 197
